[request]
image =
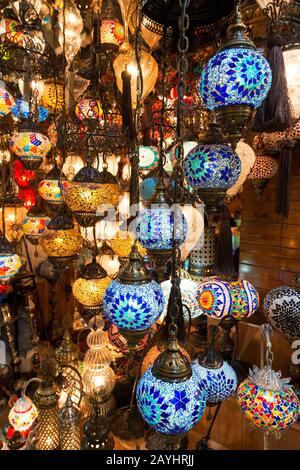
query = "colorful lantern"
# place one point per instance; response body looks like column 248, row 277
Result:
column 282, row 308
column 22, row 176
column 31, row 147
column 122, row 243
column 52, row 186
column 112, row 32
column 22, row 414
column 28, row 197
column 21, row 110
column 221, row 299
column 10, row 262
column 90, row 287
column 148, row 157
column 35, row 224
column 6, row 102
column 133, row 302
column 53, row 95
column 267, row 400
column 88, row 108
column 14, row 213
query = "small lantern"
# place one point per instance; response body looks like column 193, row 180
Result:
column 69, row 429
column 46, row 399
column 264, row 169
column 10, row 262
column 31, row 147
column 22, row 414
column 90, row 287
column 52, row 186
column 35, row 224
column 22, row 177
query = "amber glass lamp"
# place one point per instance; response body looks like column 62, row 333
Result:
column 51, row 187
column 90, row 287
column 53, row 95
column 126, row 61
column 61, row 240
column 91, row 194
column 31, row 147
column 122, row 244
column 35, row 224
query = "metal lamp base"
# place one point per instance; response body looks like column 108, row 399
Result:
column 233, row 120
column 157, row 441
column 63, row 263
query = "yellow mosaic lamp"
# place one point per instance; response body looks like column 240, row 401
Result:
column 53, row 95
column 122, row 244
column 90, row 195
column 51, row 187
column 61, row 241
column 90, row 287
column 31, row 147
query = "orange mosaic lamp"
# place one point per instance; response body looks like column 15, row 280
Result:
column 90, row 287
column 31, row 147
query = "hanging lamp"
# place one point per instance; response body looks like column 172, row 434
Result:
column 90, row 287
column 52, row 187
column 31, row 146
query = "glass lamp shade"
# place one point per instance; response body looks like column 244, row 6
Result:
column 22, row 176
column 52, row 186
column 155, row 227
column 133, row 306
column 188, row 289
column 282, row 309
column 169, row 407
column 291, row 57
column 265, row 167
column 221, row 299
column 6, row 102
column 10, row 265
column 62, row 243
column 247, row 157
column 13, row 216
column 21, row 110
column 126, row 60
column 153, row 353
column 212, row 166
column 268, row 409
column 90, row 292
column 148, row 157
column 122, row 242
column 195, row 223
column 34, row 226
column 235, row 76
column 112, row 32
column 70, row 26
column 31, row 147
column 28, row 197
column 23, row 414
column 218, row 383
column 87, row 109
column 53, row 96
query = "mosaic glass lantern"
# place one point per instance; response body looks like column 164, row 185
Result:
column 133, row 301
column 10, row 262
column 22, row 176
column 235, row 81
column 112, row 32
column 53, row 96
column 264, row 169
column 35, row 224
column 89, row 108
column 90, row 287
column 282, row 308
column 22, row 414
column 21, row 110
column 14, row 212
column 126, row 60
column 188, row 289
column 46, row 400
column 122, row 243
column 52, row 186
column 248, row 158
column 221, row 299
column 148, row 157
column 31, row 147
column 267, row 400
column 61, row 241
column 91, row 194
column 169, row 395
column 6, row 102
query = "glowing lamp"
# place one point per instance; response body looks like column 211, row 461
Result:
column 14, row 213
column 10, row 262
column 28, row 197
column 31, row 147
column 291, row 56
column 89, row 108
column 52, row 186
column 122, row 243
column 22, row 414
column 53, row 95
column 21, row 110
column 247, row 158
column 90, row 287
column 148, row 157
column 72, row 164
column 6, row 102
column 112, row 32
column 22, row 176
column 70, row 26
column 35, row 224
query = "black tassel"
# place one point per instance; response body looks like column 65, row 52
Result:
column 127, row 115
column 224, row 252
column 275, row 113
column 174, row 297
column 146, row 123
column 283, row 179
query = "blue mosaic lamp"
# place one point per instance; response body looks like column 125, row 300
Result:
column 235, row 81
column 133, row 302
column 218, row 379
column 21, row 110
column 169, row 395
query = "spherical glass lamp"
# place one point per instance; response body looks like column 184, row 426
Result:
column 31, row 147
column 90, row 287
column 61, row 241
column 133, row 302
column 53, row 95
column 148, row 157
column 22, row 177
column 22, row 414
column 112, row 32
column 267, row 400
column 169, row 395
column 10, row 262
column 126, row 61
column 52, row 186
column 235, row 81
column 90, row 195
column 35, row 224
column 6, row 102
column 264, row 169
column 21, row 110
column 122, row 243
column 221, row 299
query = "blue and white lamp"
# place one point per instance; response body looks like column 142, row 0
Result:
column 133, row 302
column 235, row 81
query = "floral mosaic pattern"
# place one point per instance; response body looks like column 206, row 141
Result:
column 212, row 166
column 51, row 190
column 282, row 307
column 35, row 225
column 268, row 408
column 9, row 266
column 235, row 76
column 88, row 197
column 148, row 157
column 133, row 306
column 30, row 144
column 219, row 383
column 170, row 408
column 155, row 228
